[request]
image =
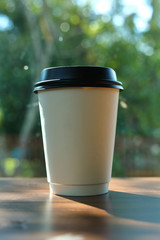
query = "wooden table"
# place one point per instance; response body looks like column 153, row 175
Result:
column 131, row 210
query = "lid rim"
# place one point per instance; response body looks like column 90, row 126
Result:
column 47, row 87
column 77, row 80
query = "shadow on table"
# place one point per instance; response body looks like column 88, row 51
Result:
column 119, row 207
column 54, row 215
column 125, row 205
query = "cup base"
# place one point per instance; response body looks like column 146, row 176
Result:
column 79, row 190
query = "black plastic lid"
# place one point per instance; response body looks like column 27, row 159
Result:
column 77, row 76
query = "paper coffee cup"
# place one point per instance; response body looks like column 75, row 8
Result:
column 78, row 110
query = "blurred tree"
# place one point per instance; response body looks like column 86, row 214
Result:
column 51, row 33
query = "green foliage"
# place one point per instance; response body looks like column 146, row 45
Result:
column 82, row 37
column 27, row 168
column 79, row 36
column 9, row 165
column 117, row 168
column 32, row 169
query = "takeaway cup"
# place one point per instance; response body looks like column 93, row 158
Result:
column 78, row 111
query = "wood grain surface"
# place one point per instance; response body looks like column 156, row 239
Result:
column 131, row 210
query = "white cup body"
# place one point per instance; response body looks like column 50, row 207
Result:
column 78, row 128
